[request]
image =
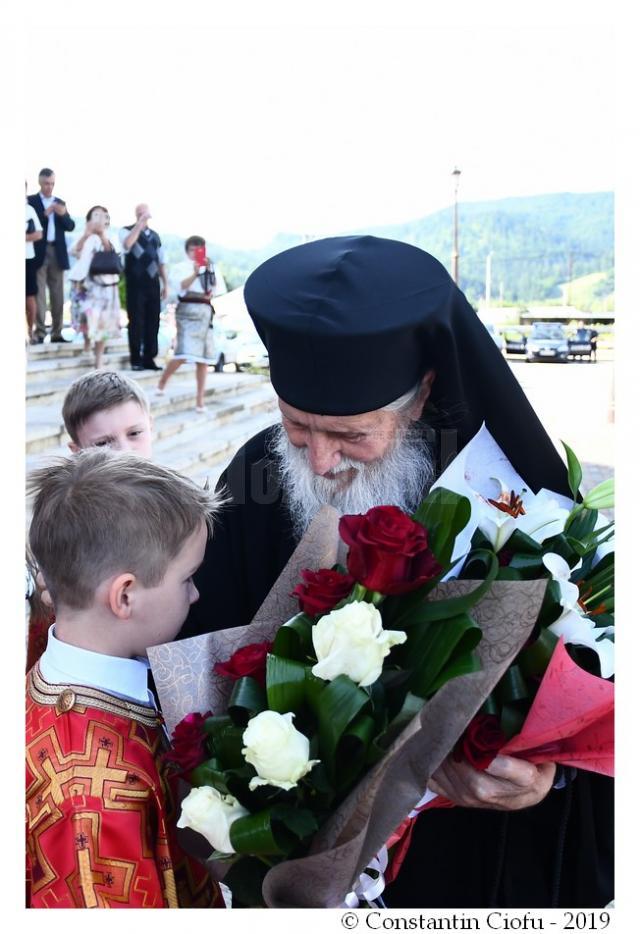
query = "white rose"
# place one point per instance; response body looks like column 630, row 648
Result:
column 278, row 752
column 211, row 814
column 351, row 641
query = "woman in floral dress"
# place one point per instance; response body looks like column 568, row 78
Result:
column 95, row 301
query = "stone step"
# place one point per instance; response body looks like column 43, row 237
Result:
column 188, row 430
column 48, row 351
column 53, row 390
column 45, row 428
column 69, row 368
column 211, row 460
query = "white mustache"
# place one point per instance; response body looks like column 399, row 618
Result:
column 400, row 478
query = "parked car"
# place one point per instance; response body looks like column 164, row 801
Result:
column 251, row 352
column 495, row 335
column 515, row 340
column 548, row 341
column 224, row 342
column 583, row 343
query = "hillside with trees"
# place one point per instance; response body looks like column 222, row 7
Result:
column 537, row 245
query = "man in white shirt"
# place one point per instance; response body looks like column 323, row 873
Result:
column 51, row 257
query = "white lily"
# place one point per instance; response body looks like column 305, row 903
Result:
column 541, row 516
column 573, row 625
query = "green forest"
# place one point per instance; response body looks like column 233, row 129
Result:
column 537, row 245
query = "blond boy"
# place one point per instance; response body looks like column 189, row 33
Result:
column 118, row 540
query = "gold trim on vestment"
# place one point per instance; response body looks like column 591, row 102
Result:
column 50, row 695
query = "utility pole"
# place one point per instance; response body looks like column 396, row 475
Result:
column 487, row 282
column 454, row 259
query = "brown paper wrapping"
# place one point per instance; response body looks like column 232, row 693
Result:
column 368, row 816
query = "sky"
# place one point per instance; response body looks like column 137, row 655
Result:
column 241, row 131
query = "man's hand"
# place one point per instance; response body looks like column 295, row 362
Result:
column 49, row 211
column 508, row 784
column 60, row 208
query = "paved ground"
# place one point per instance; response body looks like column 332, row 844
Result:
column 575, row 403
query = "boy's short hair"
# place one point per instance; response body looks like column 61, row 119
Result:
column 99, row 513
column 95, row 392
column 195, row 240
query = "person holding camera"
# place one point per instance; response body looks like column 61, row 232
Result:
column 33, row 233
column 145, row 273
column 95, row 300
column 195, row 284
column 51, row 258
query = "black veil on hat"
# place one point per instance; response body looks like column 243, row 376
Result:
column 353, row 323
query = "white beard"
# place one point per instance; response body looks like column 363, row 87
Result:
column 400, row 478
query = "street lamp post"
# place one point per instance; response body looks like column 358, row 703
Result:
column 454, row 259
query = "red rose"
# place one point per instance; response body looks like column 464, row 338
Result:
column 481, row 741
column 322, row 590
column 248, row 662
column 188, row 742
column 388, row 550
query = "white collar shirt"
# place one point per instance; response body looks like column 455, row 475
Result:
column 126, row 678
column 51, row 226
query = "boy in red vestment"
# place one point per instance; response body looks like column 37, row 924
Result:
column 101, row 408
column 117, row 539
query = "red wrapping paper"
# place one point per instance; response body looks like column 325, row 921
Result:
column 570, row 722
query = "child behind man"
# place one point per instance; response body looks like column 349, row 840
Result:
column 117, row 539
column 101, row 409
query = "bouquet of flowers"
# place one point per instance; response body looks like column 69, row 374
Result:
column 555, row 702
column 306, row 743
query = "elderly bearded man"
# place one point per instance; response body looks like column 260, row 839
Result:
column 383, row 372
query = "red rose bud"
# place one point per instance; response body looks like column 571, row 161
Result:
column 188, row 742
column 322, row 590
column 248, row 662
column 388, row 550
column 481, row 741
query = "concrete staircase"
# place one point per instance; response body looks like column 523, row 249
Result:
column 198, row 445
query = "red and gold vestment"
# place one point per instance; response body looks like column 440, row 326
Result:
column 100, row 827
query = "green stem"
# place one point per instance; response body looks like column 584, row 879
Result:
column 595, row 596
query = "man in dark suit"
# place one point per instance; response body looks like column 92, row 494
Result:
column 51, row 257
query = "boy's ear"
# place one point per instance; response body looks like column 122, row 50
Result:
column 73, row 447
column 120, row 595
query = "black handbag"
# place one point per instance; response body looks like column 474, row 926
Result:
column 105, row 263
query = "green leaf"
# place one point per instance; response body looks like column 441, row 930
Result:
column 512, row 686
column 300, row 821
column 512, row 718
column 465, row 664
column 247, row 699
column 245, row 878
column 214, row 725
column 534, row 659
column 352, row 750
column 431, row 610
column 285, row 684
column 210, row 773
column 522, row 544
column 228, row 747
column 255, row 835
column 444, row 514
column 411, row 706
column 335, row 707
column 582, row 525
column 430, row 648
column 574, row 471
column 601, row 496
column 293, row 640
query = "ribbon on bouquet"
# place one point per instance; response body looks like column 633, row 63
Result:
column 369, row 888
